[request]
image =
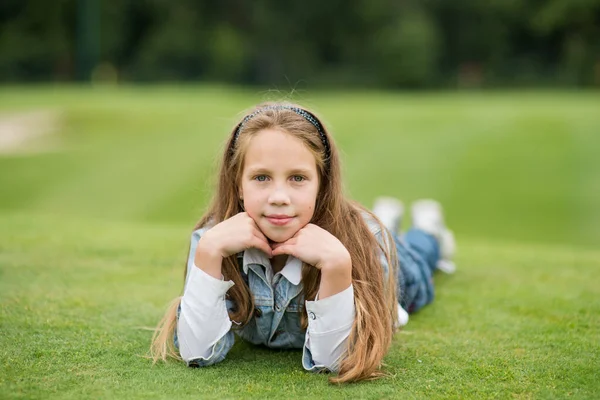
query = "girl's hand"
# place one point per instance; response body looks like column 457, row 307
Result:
column 317, row 247
column 231, row 236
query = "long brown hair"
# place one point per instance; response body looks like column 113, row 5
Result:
column 374, row 293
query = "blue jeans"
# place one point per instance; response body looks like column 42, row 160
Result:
column 418, row 254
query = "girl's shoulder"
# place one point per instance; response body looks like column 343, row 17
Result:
column 376, row 228
column 372, row 222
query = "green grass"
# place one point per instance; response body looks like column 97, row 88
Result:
column 93, row 236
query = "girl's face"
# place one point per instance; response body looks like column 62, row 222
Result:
column 279, row 184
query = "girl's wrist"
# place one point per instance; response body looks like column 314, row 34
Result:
column 338, row 265
column 335, row 278
column 208, row 249
column 208, row 258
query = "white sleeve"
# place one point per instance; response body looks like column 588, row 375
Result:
column 203, row 319
column 329, row 324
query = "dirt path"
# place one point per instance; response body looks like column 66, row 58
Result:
column 28, row 131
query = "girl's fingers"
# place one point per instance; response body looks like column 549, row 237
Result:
column 290, row 241
column 284, row 248
column 256, row 232
column 261, row 245
column 259, row 235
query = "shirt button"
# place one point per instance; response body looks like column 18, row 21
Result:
column 312, row 315
column 278, row 307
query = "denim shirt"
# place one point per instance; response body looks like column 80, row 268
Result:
column 278, row 307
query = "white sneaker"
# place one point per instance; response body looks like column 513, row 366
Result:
column 390, row 211
column 402, row 317
column 428, row 216
column 447, row 251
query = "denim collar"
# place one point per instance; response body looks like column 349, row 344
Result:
column 292, row 270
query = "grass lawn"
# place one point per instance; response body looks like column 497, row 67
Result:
column 94, row 228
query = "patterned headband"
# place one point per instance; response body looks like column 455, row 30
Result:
column 303, row 113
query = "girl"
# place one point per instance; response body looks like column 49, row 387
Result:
column 283, row 259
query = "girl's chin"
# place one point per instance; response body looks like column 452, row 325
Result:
column 279, row 237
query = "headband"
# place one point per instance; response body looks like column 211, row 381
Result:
column 303, row 113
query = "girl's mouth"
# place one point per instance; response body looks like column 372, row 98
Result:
column 279, row 220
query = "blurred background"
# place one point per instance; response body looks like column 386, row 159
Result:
column 117, row 110
column 382, row 43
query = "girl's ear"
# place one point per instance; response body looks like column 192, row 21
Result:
column 241, row 197
column 241, row 201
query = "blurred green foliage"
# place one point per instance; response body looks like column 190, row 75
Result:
column 385, row 43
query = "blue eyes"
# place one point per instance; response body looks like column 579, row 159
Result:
column 294, row 178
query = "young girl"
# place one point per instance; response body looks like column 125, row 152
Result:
column 283, row 259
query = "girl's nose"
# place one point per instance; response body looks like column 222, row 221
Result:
column 279, row 196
